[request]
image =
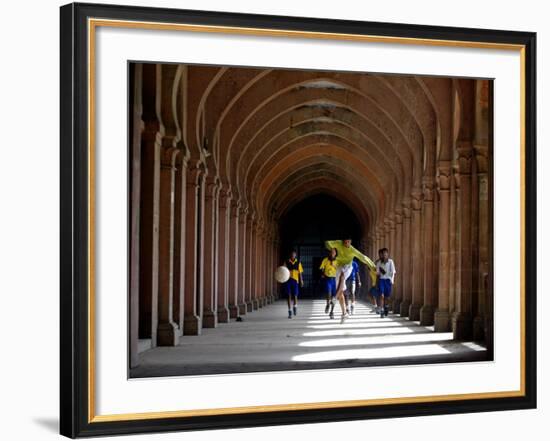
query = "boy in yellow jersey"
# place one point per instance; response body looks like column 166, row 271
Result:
column 328, row 275
column 344, row 261
column 291, row 286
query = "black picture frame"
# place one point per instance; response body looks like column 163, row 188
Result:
column 74, row 270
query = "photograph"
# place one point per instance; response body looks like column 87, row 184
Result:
column 287, row 219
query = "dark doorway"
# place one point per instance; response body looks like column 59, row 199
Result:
column 307, row 225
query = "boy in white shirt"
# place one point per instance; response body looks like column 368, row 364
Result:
column 385, row 270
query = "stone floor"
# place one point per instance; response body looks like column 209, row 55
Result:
column 267, row 340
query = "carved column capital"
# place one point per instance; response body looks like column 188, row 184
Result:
column 398, row 217
column 465, row 154
column 243, row 211
column 416, row 198
column 194, row 175
column 224, row 197
column 168, row 156
column 482, row 158
column 235, row 207
column 211, row 188
column 444, row 176
column 428, row 184
column 390, row 222
column 406, row 204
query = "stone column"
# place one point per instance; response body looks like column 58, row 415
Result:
column 223, row 256
column 136, row 128
column 262, row 263
column 179, row 239
column 242, row 262
column 376, row 241
column 210, row 316
column 255, row 264
column 278, row 259
column 417, row 267
column 192, row 321
column 427, row 310
column 267, row 266
column 274, row 265
column 387, row 241
column 386, row 230
column 168, row 332
column 263, row 284
column 462, row 319
column 397, row 258
column 271, row 267
column 250, row 264
column 442, row 315
column 482, row 241
column 233, row 259
column 391, row 234
column 474, row 246
column 454, row 261
column 149, row 218
column 405, row 271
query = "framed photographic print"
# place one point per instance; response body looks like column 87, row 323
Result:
column 278, row 220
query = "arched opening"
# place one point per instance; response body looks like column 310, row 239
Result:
column 307, row 225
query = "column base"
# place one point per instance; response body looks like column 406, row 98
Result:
column 462, row 326
column 478, row 328
column 249, row 306
column 255, row 304
column 242, row 308
column 427, row 315
column 442, row 321
column 233, row 311
column 404, row 308
column 414, row 312
column 223, row 314
column 209, row 319
column 192, row 325
column 168, row 334
column 396, row 306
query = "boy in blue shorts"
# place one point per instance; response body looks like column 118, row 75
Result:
column 385, row 270
column 354, row 282
column 328, row 276
column 291, row 286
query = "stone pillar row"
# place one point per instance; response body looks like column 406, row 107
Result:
column 207, row 258
column 439, row 236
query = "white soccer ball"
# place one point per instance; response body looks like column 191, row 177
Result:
column 282, row 274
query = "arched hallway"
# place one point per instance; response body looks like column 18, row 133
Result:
column 230, row 167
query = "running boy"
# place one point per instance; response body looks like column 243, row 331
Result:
column 291, row 286
column 354, row 283
column 346, row 253
column 385, row 270
column 374, row 290
column 328, row 275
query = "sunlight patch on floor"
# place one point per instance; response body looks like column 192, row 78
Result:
column 385, row 339
column 473, row 346
column 340, row 331
column 354, row 324
column 393, row 352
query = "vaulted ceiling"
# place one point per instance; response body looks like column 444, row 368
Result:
column 272, row 137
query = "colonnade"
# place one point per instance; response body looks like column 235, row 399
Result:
column 439, row 235
column 220, row 154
